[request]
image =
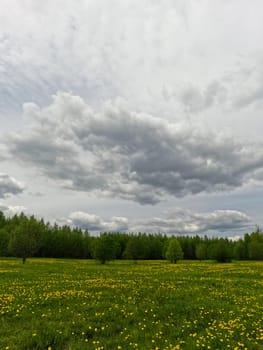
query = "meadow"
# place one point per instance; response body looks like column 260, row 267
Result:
column 57, row 304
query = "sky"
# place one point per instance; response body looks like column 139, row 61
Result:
column 133, row 115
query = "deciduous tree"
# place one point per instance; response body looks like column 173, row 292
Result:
column 174, row 251
column 104, row 248
column 25, row 238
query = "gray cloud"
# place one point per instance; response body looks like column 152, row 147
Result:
column 93, row 222
column 56, row 159
column 181, row 221
column 246, row 85
column 3, row 152
column 130, row 155
column 9, row 185
column 235, row 90
column 196, row 99
column 104, row 50
column 160, row 57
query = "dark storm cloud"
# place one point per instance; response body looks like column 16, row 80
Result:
column 130, row 155
column 55, row 159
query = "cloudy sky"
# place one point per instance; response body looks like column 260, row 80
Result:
column 133, row 115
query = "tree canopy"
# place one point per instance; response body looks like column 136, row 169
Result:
column 174, row 251
column 25, row 237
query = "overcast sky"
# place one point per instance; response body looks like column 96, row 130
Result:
column 133, row 115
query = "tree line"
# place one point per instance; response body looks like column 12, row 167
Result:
column 24, row 237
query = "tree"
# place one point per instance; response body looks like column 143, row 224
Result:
column 2, row 220
column 201, row 251
column 156, row 244
column 256, row 250
column 4, row 240
column 87, row 244
column 221, row 250
column 255, row 246
column 187, row 245
column 134, row 249
column 121, row 240
column 241, row 250
column 104, row 248
column 174, row 251
column 24, row 241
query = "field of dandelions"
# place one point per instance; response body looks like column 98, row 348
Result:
column 78, row 304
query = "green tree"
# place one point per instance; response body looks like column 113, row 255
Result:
column 4, row 240
column 174, row 251
column 255, row 246
column 220, row 250
column 156, row 244
column 2, row 220
column 104, row 248
column 76, row 243
column 187, row 246
column 241, row 250
column 201, row 251
column 121, row 240
column 135, row 249
column 24, row 240
column 87, row 245
column 256, row 250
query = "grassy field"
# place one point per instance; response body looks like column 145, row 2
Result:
column 70, row 304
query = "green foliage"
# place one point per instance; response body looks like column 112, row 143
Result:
column 256, row 250
column 24, row 240
column 221, row 251
column 23, row 237
column 2, row 220
column 105, row 248
column 4, row 241
column 77, row 304
column 188, row 246
column 255, row 246
column 201, row 251
column 156, row 245
column 241, row 250
column 136, row 248
column 174, row 251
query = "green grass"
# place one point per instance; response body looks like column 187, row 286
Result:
column 71, row 304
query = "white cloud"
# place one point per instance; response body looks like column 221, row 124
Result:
column 107, row 49
column 183, row 221
column 180, row 221
column 11, row 210
column 9, row 185
column 93, row 222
